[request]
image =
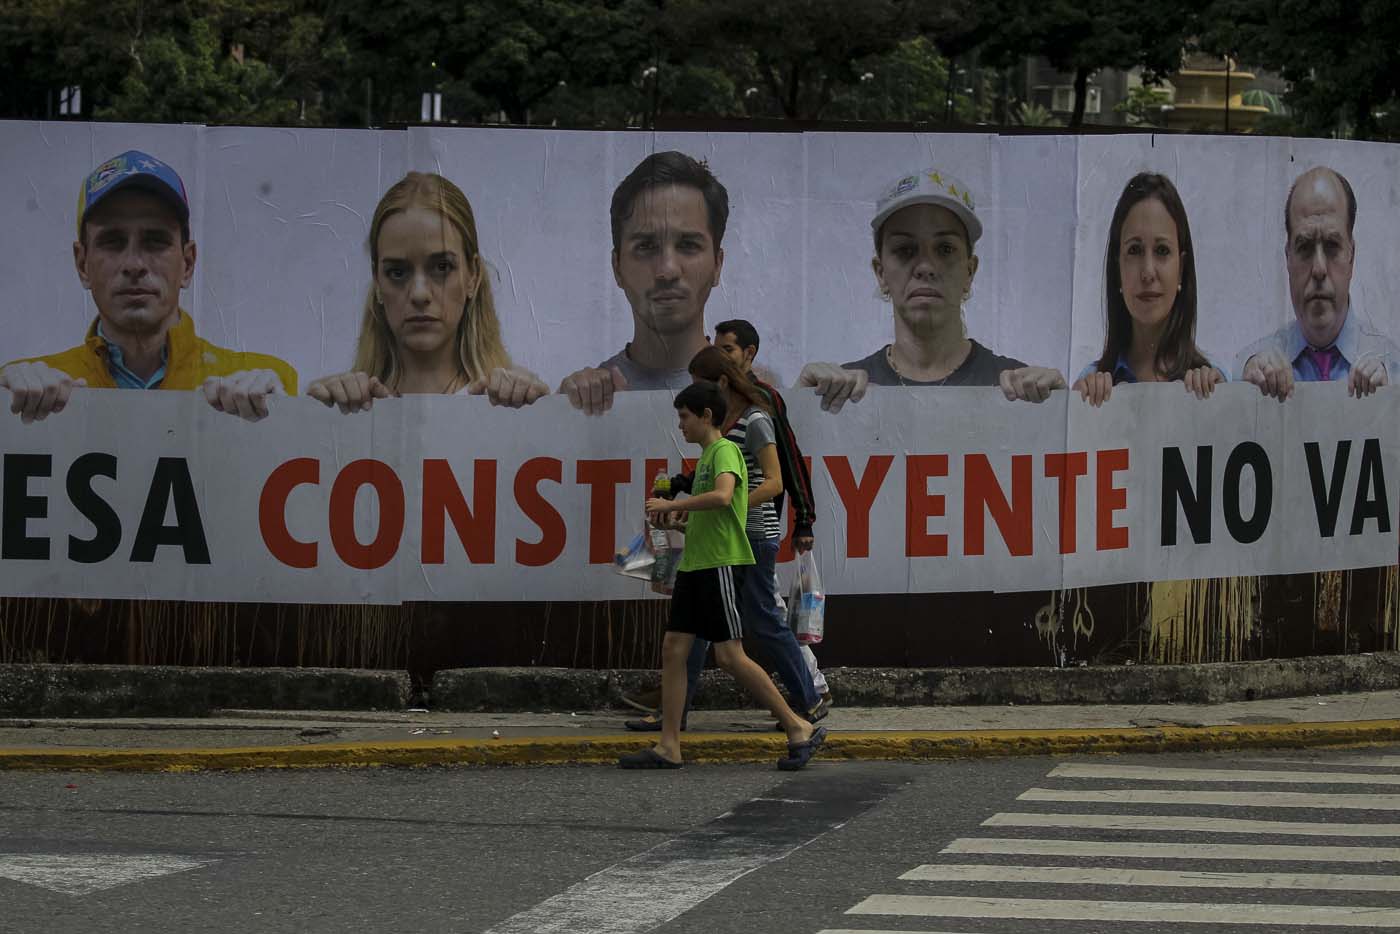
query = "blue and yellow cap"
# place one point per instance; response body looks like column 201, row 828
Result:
column 133, row 169
column 930, row 186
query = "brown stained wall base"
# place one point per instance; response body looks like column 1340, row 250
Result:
column 1096, row 626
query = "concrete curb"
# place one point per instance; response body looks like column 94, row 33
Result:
column 537, row 689
column 56, row 691
column 709, row 748
column 66, row 691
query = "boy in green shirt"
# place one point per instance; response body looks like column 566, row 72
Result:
column 705, row 602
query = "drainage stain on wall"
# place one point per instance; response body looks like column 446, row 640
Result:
column 1201, row 620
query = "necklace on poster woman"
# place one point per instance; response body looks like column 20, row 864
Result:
column 943, row 381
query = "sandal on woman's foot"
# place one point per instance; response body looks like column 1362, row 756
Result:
column 647, row 759
column 799, row 754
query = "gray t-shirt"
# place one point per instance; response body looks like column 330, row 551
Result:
column 640, row 377
column 753, row 432
column 981, row 368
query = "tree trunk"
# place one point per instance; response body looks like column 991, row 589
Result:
column 770, row 78
column 794, row 91
column 824, row 96
column 1081, row 97
column 1365, row 118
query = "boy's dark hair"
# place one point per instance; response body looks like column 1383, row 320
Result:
column 670, row 168
column 746, row 334
column 701, row 395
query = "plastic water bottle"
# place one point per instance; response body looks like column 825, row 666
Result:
column 811, row 610
column 660, row 539
column 812, row 618
column 661, row 486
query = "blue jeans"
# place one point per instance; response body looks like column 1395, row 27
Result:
column 766, row 624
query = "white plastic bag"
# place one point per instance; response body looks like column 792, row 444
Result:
column 807, row 601
column 653, row 555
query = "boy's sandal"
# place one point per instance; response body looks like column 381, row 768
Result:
column 799, row 754
column 647, row 758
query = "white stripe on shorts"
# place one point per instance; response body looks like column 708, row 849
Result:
column 731, row 602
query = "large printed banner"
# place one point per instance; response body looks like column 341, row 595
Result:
column 449, row 499
column 936, row 273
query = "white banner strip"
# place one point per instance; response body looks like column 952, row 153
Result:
column 155, row 495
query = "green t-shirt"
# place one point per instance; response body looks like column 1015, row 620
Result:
column 715, row 537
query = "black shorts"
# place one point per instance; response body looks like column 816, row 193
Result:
column 706, row 603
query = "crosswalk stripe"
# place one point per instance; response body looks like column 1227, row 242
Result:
column 1275, row 799
column 1241, row 851
column 1157, row 774
column 86, row 873
column 652, row 888
column 1359, row 916
column 1163, row 822
column 1371, row 762
column 1073, row 875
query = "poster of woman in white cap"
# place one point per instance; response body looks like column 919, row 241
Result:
column 925, row 230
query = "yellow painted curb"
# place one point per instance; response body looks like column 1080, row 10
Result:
column 708, row 748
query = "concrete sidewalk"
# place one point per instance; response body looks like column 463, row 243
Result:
column 233, row 739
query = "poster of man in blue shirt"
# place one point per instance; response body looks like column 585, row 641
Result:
column 1329, row 338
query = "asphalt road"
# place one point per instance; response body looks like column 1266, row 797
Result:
column 1015, row 845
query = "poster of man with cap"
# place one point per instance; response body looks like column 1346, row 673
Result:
column 135, row 255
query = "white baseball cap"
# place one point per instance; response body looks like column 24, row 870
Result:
column 930, row 186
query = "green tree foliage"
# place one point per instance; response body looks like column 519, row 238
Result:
column 802, row 53
column 1143, row 105
column 1082, row 36
column 632, row 62
column 908, row 84
column 529, row 60
column 174, row 81
column 1341, row 56
column 141, row 60
column 26, row 48
column 516, row 54
column 1034, row 115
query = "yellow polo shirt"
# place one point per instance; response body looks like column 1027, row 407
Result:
column 190, row 360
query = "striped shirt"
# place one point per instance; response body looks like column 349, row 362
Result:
column 797, row 479
column 752, row 433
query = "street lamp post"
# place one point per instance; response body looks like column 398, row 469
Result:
column 1227, row 93
column 652, row 73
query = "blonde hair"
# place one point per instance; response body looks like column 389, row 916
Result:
column 479, row 346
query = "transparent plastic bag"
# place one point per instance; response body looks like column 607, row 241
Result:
column 653, row 555
column 807, row 601
column 666, row 546
column 663, row 572
column 637, row 559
